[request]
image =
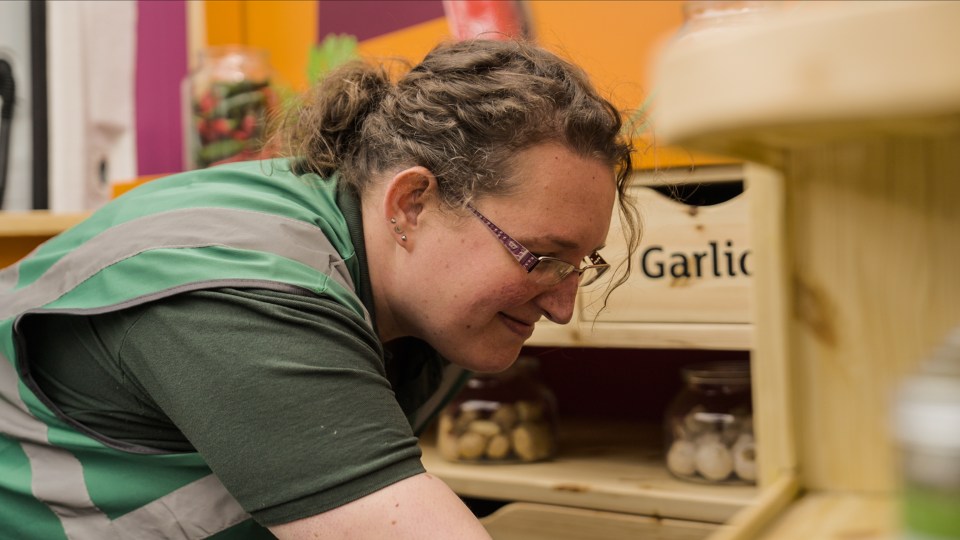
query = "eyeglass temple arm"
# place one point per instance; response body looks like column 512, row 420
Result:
column 597, row 260
column 526, row 259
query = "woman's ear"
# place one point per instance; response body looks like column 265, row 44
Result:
column 404, row 199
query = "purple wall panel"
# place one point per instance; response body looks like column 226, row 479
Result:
column 371, row 18
column 161, row 67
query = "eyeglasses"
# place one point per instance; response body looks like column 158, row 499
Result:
column 547, row 271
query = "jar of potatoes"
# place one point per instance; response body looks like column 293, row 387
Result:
column 507, row 417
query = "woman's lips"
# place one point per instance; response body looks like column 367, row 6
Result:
column 518, row 327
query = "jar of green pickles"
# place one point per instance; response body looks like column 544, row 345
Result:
column 229, row 99
column 508, row 417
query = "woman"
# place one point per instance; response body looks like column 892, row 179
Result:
column 267, row 338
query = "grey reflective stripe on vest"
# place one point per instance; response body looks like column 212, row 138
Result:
column 449, row 385
column 9, row 277
column 201, row 508
column 197, row 510
column 56, row 475
column 196, row 227
column 57, row 481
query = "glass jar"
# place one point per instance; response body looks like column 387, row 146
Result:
column 709, row 17
column 926, row 423
column 507, row 417
column 230, row 99
column 709, row 425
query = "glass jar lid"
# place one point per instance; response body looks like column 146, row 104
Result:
column 719, row 373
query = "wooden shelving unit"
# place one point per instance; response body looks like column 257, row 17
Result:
column 706, row 313
column 37, row 223
column 838, row 516
column 616, row 467
column 609, row 476
column 20, row 232
column 854, row 109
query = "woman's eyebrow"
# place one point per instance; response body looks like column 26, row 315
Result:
column 559, row 241
column 565, row 243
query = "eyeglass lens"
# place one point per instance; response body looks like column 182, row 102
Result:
column 551, row 272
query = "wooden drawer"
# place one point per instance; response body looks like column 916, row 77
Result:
column 531, row 521
column 693, row 263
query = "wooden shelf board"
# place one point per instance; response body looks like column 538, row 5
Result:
column 532, row 521
column 602, row 466
column 715, row 336
column 38, row 223
column 837, row 516
column 811, row 74
column 649, row 335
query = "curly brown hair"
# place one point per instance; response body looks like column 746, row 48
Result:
column 464, row 113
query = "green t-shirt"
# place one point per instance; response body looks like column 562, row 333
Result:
column 287, row 397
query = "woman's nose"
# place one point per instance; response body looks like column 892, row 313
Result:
column 557, row 301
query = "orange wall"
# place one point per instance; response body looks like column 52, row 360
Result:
column 285, row 28
column 617, row 42
column 614, row 40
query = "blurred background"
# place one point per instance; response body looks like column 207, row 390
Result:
column 844, row 124
column 109, row 92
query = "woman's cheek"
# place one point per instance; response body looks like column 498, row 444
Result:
column 509, row 295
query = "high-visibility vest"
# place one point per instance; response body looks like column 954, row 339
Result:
column 245, row 225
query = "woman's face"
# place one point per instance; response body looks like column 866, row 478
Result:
column 474, row 303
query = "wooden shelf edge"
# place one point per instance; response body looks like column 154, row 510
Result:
column 37, row 223
column 715, row 336
column 609, row 466
column 649, row 155
column 782, row 512
column 704, row 174
column 760, row 82
column 706, row 336
column 773, row 499
column 821, row 514
column 533, row 521
column 548, row 334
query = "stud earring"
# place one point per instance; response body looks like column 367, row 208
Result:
column 403, row 237
column 393, row 220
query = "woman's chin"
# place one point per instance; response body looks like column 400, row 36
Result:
column 489, row 363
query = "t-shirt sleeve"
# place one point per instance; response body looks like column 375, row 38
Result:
column 285, row 397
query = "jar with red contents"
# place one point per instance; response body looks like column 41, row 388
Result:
column 229, row 100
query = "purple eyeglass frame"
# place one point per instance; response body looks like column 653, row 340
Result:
column 529, row 261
